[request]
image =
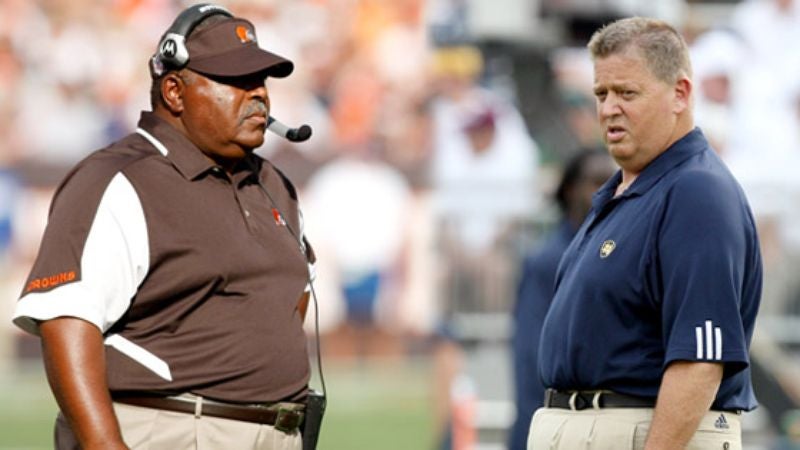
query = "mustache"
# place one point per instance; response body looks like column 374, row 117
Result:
column 256, row 107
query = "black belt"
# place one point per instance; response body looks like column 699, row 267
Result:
column 282, row 418
column 578, row 400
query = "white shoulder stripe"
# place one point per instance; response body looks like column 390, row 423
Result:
column 140, row 355
column 123, row 201
column 116, row 257
column 114, row 262
column 156, row 143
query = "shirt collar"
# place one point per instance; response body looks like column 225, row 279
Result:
column 689, row 145
column 182, row 153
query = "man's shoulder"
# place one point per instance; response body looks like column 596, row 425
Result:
column 97, row 169
column 704, row 191
column 128, row 150
column 706, row 176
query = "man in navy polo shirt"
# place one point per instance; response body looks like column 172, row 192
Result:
column 646, row 342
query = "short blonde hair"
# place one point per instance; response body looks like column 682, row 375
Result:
column 664, row 50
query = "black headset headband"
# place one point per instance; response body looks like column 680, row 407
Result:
column 172, row 53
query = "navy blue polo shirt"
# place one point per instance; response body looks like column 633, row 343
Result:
column 668, row 271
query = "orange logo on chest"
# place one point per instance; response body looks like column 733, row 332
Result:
column 51, row 281
column 278, row 217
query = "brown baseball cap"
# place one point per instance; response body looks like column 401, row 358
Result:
column 229, row 48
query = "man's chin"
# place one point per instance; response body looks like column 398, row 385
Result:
column 251, row 140
column 619, row 150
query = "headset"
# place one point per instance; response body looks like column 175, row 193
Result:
column 172, row 53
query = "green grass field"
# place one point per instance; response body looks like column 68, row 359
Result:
column 378, row 404
column 27, row 411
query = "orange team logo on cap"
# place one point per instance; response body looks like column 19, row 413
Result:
column 245, row 34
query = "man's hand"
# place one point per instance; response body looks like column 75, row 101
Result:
column 74, row 358
column 686, row 394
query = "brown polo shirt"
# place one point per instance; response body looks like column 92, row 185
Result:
column 193, row 275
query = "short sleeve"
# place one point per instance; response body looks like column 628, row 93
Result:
column 703, row 247
column 89, row 264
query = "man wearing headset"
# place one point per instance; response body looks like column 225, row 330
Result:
column 172, row 280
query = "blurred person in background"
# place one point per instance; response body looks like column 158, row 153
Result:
column 10, row 203
column 483, row 175
column 171, row 283
column 763, row 148
column 360, row 205
column 583, row 175
column 362, row 194
column 67, row 118
column 365, row 203
column 717, row 57
column 572, row 74
column 10, row 75
column 9, row 192
column 647, row 337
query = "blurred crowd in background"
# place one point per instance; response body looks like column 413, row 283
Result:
column 440, row 130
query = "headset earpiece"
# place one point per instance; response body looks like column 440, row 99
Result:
column 173, row 50
column 172, row 53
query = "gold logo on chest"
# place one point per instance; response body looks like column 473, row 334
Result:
column 607, row 247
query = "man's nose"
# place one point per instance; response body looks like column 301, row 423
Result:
column 259, row 92
column 609, row 106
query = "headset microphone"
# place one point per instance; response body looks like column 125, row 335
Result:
column 299, row 134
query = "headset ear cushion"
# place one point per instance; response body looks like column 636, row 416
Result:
column 172, row 51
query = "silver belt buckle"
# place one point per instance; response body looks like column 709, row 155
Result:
column 572, row 398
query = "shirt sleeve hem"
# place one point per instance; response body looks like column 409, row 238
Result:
column 734, row 360
column 35, row 308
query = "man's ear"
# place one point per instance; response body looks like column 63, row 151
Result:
column 172, row 89
column 683, row 95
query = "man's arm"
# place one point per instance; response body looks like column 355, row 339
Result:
column 74, row 358
column 686, row 394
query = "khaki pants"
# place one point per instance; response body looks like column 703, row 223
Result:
column 623, row 429
column 154, row 429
